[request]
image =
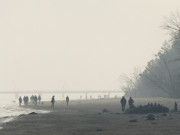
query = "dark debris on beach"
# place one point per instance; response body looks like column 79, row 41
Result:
column 149, row 108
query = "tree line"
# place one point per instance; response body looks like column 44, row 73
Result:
column 161, row 76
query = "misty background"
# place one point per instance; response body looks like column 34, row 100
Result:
column 77, row 45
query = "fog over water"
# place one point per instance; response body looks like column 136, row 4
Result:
column 77, row 45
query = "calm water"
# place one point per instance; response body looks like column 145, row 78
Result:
column 9, row 108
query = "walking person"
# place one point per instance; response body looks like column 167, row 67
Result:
column 175, row 107
column 123, row 103
column 39, row 98
column 35, row 100
column 27, row 100
column 52, row 101
column 24, row 100
column 20, row 101
column 67, row 100
column 131, row 102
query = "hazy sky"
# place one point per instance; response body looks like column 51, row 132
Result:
column 77, row 44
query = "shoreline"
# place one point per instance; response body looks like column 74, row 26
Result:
column 19, row 111
column 86, row 117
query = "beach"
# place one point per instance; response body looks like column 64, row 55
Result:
column 93, row 117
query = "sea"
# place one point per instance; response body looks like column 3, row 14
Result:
column 10, row 109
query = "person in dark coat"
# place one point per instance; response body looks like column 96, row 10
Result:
column 67, row 100
column 20, row 101
column 123, row 103
column 39, row 98
column 175, row 107
column 131, row 102
column 35, row 100
column 52, row 101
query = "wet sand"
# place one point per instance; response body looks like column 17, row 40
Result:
column 86, row 117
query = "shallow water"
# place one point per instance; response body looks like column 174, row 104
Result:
column 9, row 108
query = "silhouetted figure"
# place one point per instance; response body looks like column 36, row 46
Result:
column 123, row 103
column 67, row 100
column 39, row 99
column 35, row 100
column 26, row 100
column 175, row 106
column 32, row 98
column 52, row 101
column 20, row 101
column 131, row 102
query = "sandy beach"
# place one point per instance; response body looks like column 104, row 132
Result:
column 86, row 117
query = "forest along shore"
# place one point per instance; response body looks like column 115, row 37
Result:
column 87, row 117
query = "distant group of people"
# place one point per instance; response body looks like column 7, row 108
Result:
column 131, row 104
column 34, row 99
column 123, row 103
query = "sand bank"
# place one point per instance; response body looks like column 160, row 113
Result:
column 87, row 118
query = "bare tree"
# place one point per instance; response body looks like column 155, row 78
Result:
column 172, row 25
column 129, row 83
